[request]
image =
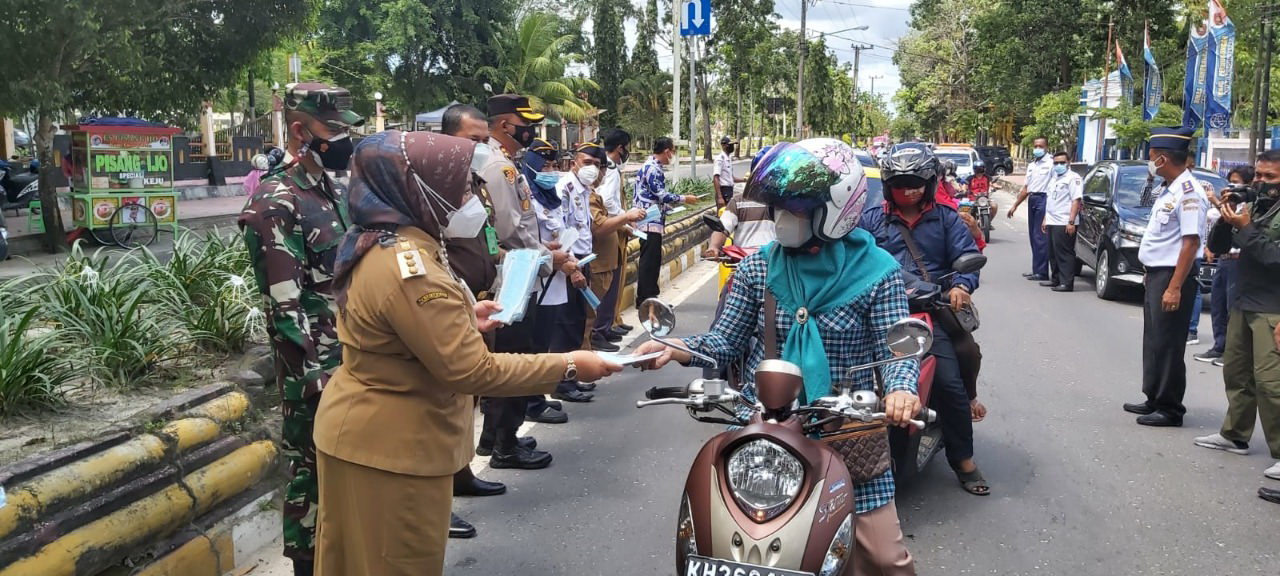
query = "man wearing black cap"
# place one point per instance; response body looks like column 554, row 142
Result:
column 722, row 176
column 292, row 225
column 511, row 125
column 1168, row 251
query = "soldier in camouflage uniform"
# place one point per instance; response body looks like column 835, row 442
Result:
column 292, row 225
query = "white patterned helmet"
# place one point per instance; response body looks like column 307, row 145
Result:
column 820, row 177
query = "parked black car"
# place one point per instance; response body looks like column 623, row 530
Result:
column 1113, row 221
column 996, row 159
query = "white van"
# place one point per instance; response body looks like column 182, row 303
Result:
column 965, row 158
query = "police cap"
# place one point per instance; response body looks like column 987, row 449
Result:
column 1177, row 138
column 513, row 104
column 592, row 149
column 330, row 104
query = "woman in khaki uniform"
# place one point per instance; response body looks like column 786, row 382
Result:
column 396, row 420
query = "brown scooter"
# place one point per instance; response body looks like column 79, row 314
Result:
column 767, row 499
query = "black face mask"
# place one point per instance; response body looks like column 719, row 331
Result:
column 1268, row 195
column 622, row 159
column 524, row 135
column 333, row 154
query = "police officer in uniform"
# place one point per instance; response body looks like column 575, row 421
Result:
column 292, row 224
column 511, row 126
column 397, row 420
column 1168, row 251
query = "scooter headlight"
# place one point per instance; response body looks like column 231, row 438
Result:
column 686, row 540
column 764, row 479
column 840, row 550
column 983, row 201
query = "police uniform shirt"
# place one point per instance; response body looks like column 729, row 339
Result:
column 1179, row 211
column 575, row 204
column 1039, row 173
column 1063, row 190
column 513, row 214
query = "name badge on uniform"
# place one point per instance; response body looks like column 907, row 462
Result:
column 491, row 239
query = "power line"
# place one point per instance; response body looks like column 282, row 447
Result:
column 859, row 5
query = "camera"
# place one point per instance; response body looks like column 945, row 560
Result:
column 1238, row 194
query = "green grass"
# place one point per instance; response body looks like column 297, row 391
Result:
column 33, row 375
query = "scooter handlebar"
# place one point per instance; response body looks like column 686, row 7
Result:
column 661, row 393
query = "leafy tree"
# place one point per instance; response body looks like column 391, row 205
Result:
column 644, row 57
column 532, row 62
column 149, row 57
column 645, row 107
column 610, row 59
column 1055, row 120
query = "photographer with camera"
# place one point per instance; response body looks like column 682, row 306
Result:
column 1251, row 361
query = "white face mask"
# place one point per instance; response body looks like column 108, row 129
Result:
column 1152, row 168
column 481, row 157
column 468, row 221
column 793, row 231
column 588, row 175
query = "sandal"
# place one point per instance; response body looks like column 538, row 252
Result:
column 973, row 482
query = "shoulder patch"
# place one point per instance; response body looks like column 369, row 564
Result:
column 509, row 172
column 409, row 260
column 1187, row 186
column 429, row 296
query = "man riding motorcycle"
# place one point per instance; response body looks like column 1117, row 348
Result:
column 926, row 236
column 832, row 295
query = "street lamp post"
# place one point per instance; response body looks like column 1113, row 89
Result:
column 378, row 121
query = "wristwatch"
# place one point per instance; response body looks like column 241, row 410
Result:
column 570, row 369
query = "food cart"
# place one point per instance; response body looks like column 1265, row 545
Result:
column 121, row 173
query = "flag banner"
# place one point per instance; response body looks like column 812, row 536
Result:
column 1153, row 84
column 1126, row 76
column 1195, row 93
column 1221, row 67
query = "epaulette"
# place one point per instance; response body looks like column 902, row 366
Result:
column 409, row 259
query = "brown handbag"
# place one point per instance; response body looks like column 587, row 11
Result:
column 864, row 446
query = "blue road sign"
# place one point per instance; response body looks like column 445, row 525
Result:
column 695, row 17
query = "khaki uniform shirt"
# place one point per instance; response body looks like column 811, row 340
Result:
column 607, row 247
column 403, row 399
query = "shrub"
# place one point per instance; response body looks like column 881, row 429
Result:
column 206, row 284
column 694, row 186
column 33, row 371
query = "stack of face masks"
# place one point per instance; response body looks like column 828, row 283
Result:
column 519, row 272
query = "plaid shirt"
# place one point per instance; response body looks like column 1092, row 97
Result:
column 852, row 334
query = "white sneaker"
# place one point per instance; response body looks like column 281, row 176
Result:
column 1217, row 442
column 1193, row 340
column 1272, row 472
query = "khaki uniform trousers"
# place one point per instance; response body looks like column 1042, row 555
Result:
column 878, row 549
column 374, row 522
column 1251, row 372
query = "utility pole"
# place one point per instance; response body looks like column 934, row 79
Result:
column 676, row 42
column 804, row 49
column 857, row 58
column 693, row 111
column 1262, row 82
column 1102, row 106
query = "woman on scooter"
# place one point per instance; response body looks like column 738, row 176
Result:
column 926, row 237
column 836, row 296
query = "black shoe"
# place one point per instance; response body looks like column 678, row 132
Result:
column 1269, row 495
column 308, row 568
column 520, row 458
column 555, row 404
column 619, row 331
column 625, row 328
column 1207, row 356
column 459, row 528
column 602, row 345
column 573, row 396
column 613, row 336
column 549, row 415
column 1028, row 274
column 1048, row 283
column 1139, row 408
column 1036, row 278
column 586, row 386
column 527, row 442
column 1159, row 418
column 1063, row 288
column 478, row 487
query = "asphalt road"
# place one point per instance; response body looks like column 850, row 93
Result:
column 1078, row 488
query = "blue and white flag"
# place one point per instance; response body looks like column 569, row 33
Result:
column 1153, row 86
column 1195, row 93
column 1221, row 66
column 1126, row 76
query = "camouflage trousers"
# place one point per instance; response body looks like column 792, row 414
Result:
column 302, row 493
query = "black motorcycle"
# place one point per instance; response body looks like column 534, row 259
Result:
column 20, row 188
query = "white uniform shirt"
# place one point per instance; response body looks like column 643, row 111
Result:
column 611, row 190
column 1179, row 211
column 1063, row 190
column 724, row 168
column 575, row 199
column 1039, row 173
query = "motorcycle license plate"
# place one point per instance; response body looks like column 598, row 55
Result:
column 700, row 566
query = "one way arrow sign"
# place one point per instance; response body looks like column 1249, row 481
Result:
column 695, row 17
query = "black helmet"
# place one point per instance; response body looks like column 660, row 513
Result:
column 911, row 168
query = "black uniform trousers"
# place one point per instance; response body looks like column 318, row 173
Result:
column 1164, row 342
column 1062, row 255
column 503, row 416
column 648, row 268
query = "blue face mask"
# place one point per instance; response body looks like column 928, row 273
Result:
column 547, row 179
column 1060, row 169
column 1038, row 152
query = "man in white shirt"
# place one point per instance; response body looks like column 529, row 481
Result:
column 722, row 177
column 1168, row 252
column 1061, row 213
column 1035, row 192
column 617, row 147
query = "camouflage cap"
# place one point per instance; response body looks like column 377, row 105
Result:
column 330, row 104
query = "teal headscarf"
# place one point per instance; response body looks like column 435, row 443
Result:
column 836, row 275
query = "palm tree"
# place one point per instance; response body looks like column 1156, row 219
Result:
column 644, row 108
column 532, row 62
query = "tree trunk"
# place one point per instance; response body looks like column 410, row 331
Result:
column 737, row 130
column 54, row 236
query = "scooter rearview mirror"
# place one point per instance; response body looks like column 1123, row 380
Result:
column 714, row 223
column 910, row 337
column 969, row 263
column 657, row 318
